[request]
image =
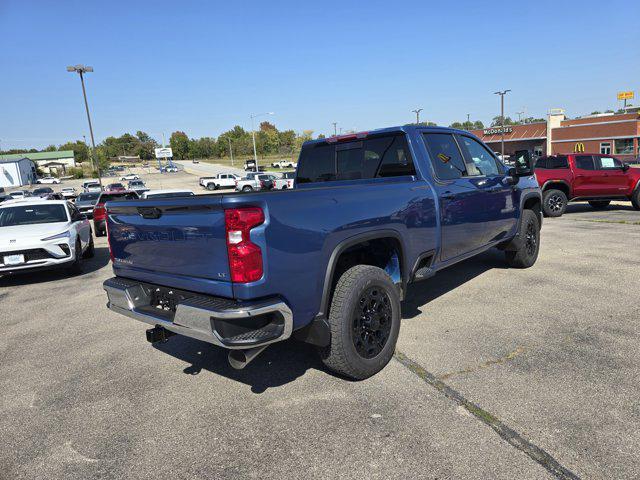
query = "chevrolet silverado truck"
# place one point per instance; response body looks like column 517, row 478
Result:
column 328, row 262
column 596, row 178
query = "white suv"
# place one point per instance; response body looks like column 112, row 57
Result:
column 38, row 234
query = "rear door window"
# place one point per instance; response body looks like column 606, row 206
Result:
column 558, row 161
column 445, row 156
column 378, row 156
column 584, row 162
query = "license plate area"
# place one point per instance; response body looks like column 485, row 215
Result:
column 167, row 299
column 14, row 259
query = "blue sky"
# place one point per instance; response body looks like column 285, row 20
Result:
column 203, row 67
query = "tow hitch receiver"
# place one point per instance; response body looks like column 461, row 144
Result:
column 158, row 334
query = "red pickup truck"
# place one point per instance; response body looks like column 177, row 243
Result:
column 595, row 178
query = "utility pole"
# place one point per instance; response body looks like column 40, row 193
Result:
column 502, row 94
column 417, row 112
column 335, row 129
column 253, row 135
column 230, row 150
column 81, row 70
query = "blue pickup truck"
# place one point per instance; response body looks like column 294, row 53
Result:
column 328, row 262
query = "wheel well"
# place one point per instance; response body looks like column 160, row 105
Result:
column 534, row 204
column 385, row 253
column 558, row 186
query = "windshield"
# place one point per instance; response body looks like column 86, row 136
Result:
column 109, row 197
column 87, row 197
column 32, row 214
column 169, row 194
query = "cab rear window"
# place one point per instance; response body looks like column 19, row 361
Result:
column 373, row 157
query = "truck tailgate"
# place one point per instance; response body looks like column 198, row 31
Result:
column 177, row 242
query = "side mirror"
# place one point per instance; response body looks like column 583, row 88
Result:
column 523, row 163
column 625, row 167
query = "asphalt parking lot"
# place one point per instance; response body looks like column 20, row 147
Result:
column 499, row 373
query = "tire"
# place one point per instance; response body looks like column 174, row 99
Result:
column 211, row 186
column 353, row 351
column 284, row 187
column 635, row 199
column 247, row 188
column 100, row 233
column 527, row 253
column 90, row 252
column 599, row 204
column 78, row 264
column 554, row 203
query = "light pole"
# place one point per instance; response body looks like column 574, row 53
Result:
column 230, row 150
column 253, row 134
column 502, row 94
column 417, row 112
column 81, row 70
column 335, row 129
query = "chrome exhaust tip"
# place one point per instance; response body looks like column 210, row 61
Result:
column 239, row 359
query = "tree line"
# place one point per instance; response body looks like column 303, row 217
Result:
column 269, row 141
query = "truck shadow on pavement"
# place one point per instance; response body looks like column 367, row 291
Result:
column 586, row 208
column 277, row 365
column 423, row 292
column 100, row 259
column 286, row 361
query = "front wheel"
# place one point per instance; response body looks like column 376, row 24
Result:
column 211, row 186
column 529, row 243
column 599, row 204
column 554, row 203
column 90, row 252
column 246, row 188
column 365, row 323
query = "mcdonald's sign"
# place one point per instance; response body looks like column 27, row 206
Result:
column 578, row 147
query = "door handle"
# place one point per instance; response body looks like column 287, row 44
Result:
column 448, row 195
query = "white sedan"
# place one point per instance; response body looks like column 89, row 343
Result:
column 130, row 176
column 48, row 180
column 68, row 192
column 37, row 234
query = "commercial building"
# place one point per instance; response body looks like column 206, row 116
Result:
column 16, row 172
column 610, row 134
column 54, row 163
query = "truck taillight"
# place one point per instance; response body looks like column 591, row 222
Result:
column 106, row 228
column 99, row 213
column 245, row 257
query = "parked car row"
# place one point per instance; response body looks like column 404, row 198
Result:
column 252, row 181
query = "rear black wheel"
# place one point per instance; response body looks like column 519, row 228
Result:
column 528, row 245
column 365, row 323
column 554, row 203
column 246, row 188
column 599, row 204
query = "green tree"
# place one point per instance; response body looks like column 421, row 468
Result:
column 179, row 143
column 497, row 121
column 80, row 150
column 50, row 148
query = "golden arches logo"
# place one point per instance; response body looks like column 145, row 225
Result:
column 578, row 147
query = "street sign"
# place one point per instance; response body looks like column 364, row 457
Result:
column 625, row 95
column 164, row 152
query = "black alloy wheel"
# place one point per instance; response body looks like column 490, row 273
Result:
column 371, row 322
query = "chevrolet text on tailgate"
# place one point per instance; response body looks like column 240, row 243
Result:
column 327, row 262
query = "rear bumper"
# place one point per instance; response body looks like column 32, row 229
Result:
column 220, row 321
